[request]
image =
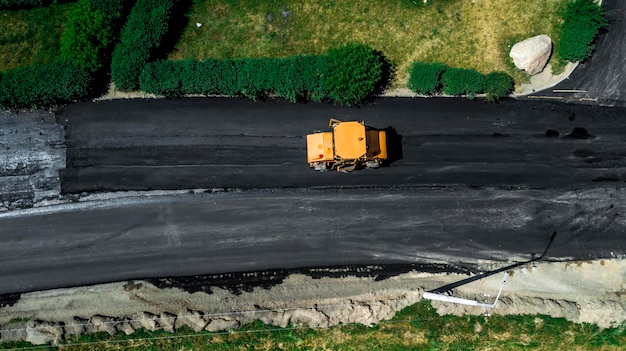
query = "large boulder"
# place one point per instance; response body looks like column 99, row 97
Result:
column 532, row 54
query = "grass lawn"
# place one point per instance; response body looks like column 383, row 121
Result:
column 460, row 33
column 31, row 36
column 415, row 328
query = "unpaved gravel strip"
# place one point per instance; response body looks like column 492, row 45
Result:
column 589, row 291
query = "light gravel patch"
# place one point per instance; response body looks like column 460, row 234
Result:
column 589, row 291
column 32, row 152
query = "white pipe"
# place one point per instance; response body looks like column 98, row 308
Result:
column 445, row 298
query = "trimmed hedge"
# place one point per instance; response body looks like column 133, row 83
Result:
column 147, row 24
column 462, row 81
column 296, row 78
column 498, row 84
column 434, row 78
column 582, row 21
column 85, row 47
column 347, row 76
column 19, row 4
column 89, row 32
column 355, row 72
column 44, row 85
column 425, row 78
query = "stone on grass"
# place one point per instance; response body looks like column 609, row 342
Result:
column 532, row 54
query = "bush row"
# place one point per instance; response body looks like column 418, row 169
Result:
column 86, row 42
column 582, row 19
column 19, row 4
column 90, row 32
column 295, row 78
column 433, row 78
column 147, row 23
column 44, row 85
column 346, row 75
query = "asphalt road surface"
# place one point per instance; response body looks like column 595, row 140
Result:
column 96, row 242
column 228, row 143
column 473, row 181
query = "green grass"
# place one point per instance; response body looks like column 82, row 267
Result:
column 417, row 327
column 459, row 33
column 31, row 36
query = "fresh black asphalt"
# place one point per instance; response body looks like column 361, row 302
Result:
column 230, row 143
column 474, row 182
column 256, row 231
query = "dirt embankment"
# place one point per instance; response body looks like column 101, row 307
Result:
column 592, row 292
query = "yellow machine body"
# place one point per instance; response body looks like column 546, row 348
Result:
column 350, row 145
column 320, row 147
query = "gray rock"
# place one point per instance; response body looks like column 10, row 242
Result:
column 42, row 333
column 221, row 324
column 532, row 54
column 351, row 314
column 279, row 319
column 309, row 317
column 192, row 319
column 125, row 328
column 101, row 324
column 14, row 331
column 144, row 320
column 166, row 321
column 76, row 326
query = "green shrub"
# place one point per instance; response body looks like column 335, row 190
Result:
column 162, row 78
column 462, row 81
column 582, row 19
column 44, row 85
column 295, row 78
column 425, row 78
column 355, row 71
column 146, row 25
column 202, row 77
column 252, row 75
column 433, row 78
column 302, row 78
column 114, row 8
column 19, row 4
column 497, row 85
column 89, row 33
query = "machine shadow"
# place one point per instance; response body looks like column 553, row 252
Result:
column 394, row 145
